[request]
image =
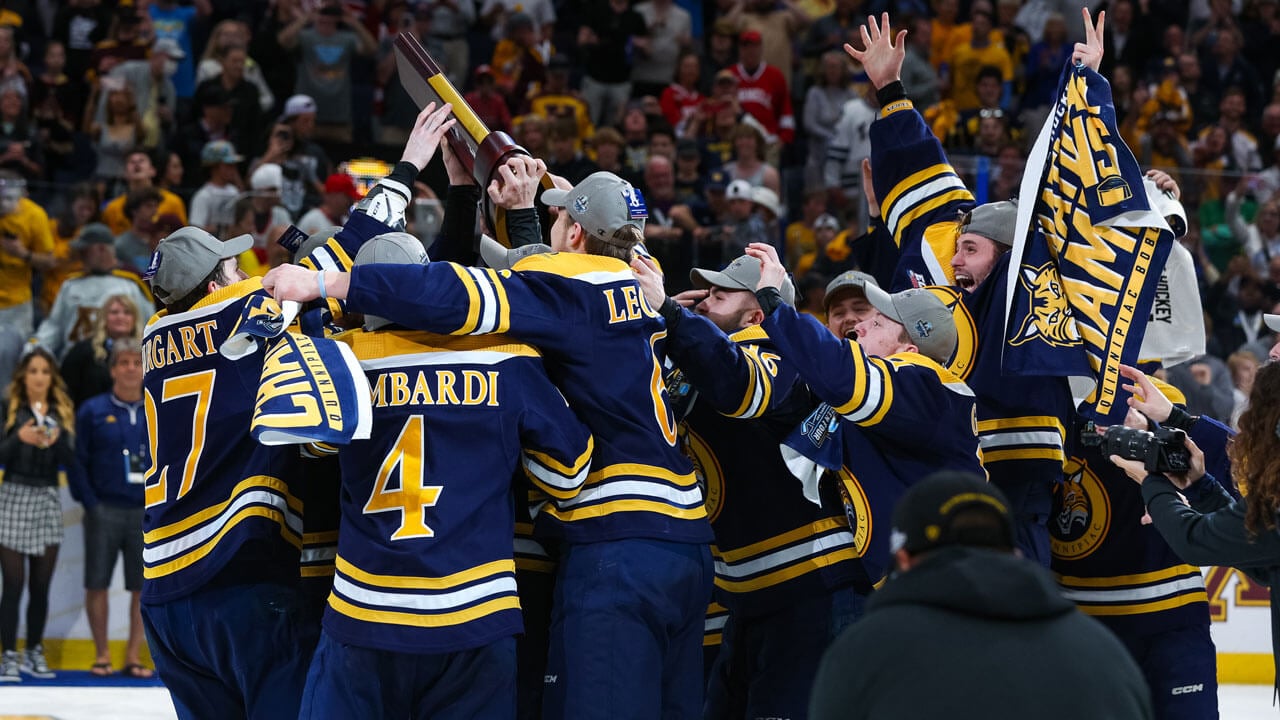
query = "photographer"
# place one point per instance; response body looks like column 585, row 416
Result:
column 1213, row 528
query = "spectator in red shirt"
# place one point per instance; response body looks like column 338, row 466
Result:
column 762, row 90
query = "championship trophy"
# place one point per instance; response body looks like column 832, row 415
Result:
column 481, row 150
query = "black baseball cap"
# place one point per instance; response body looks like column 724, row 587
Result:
column 931, row 514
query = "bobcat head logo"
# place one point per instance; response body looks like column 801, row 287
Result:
column 1075, row 506
column 1050, row 317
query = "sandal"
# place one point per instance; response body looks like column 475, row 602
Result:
column 137, row 672
column 101, row 669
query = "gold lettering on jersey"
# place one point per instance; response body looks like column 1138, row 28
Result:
column 444, row 387
column 186, row 343
column 188, row 335
column 451, row 387
column 631, row 306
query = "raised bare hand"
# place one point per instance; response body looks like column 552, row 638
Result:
column 882, row 59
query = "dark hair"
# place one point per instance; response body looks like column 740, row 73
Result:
column 67, row 223
column 137, row 198
column 1255, row 451
column 989, row 71
column 201, row 291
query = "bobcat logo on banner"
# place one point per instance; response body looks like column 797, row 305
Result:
column 1088, row 250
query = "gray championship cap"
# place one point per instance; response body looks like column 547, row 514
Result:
column 847, row 280
column 499, row 257
column 186, row 257
column 994, row 221
column 93, row 234
column 925, row 317
column 1272, row 321
column 741, row 274
column 601, row 203
column 394, row 248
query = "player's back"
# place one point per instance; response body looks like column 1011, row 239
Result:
column 212, row 488
column 601, row 341
column 425, row 549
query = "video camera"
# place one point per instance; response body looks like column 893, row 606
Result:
column 1163, row 450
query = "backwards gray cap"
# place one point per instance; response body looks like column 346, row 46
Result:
column 601, row 203
column 395, row 248
column 741, row 274
column 994, row 221
column 849, row 279
column 186, row 257
column 926, row 318
column 499, row 257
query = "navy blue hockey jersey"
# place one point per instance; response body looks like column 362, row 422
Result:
column 602, row 344
column 211, row 487
column 773, row 546
column 425, row 544
column 902, row 418
column 1022, row 420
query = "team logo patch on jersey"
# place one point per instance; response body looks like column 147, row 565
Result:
column 1050, row 318
column 706, row 468
column 1081, row 512
column 966, row 331
column 857, row 509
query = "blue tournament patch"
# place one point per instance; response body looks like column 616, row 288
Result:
column 819, row 425
column 636, row 207
column 580, row 205
column 152, row 266
column 923, row 328
column 292, row 239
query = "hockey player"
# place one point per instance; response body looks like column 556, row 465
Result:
column 221, row 603
column 1124, row 574
column 785, row 566
column 423, row 614
column 1021, row 420
column 901, row 413
column 635, row 565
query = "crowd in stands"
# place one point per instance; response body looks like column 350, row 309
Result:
column 740, row 120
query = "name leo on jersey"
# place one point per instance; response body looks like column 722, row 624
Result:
column 630, row 306
column 449, row 387
column 186, row 342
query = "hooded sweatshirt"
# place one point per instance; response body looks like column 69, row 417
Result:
column 973, row 633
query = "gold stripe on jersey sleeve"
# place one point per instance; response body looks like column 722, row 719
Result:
column 569, row 471
column 928, row 206
column 777, row 541
column 190, row 521
column 309, row 571
column 859, row 390
column 456, row 617
column 805, row 565
column 886, row 393
column 473, row 300
column 747, row 334
column 317, row 538
column 1001, row 455
column 390, row 343
column 504, row 305
column 911, row 182
column 196, row 554
column 1198, row 596
column 1122, row 580
column 570, row 264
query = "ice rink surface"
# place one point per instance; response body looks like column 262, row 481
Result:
column 1236, row 702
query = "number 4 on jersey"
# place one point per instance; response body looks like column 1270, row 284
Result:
column 412, row 498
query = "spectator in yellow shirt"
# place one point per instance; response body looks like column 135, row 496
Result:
column 139, row 173
column 26, row 245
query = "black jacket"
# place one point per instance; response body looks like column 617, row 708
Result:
column 972, row 633
column 1212, row 532
column 30, row 465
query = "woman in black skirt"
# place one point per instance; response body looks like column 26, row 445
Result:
column 37, row 442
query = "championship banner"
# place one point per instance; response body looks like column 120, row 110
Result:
column 1088, row 250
